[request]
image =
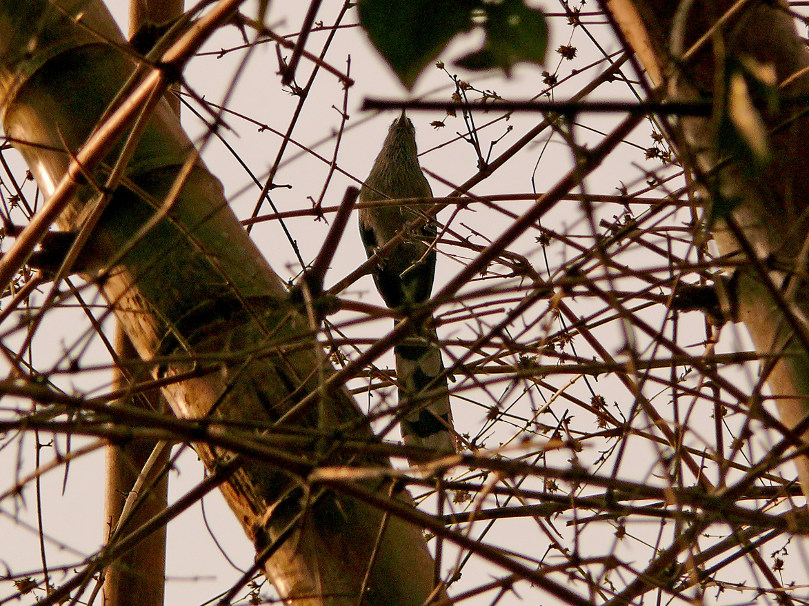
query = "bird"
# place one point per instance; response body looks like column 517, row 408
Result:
column 404, row 278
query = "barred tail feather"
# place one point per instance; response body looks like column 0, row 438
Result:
column 424, row 394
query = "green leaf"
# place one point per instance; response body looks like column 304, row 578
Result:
column 749, row 94
column 478, row 60
column 745, row 121
column 514, row 33
column 410, row 34
column 762, row 80
column 719, row 207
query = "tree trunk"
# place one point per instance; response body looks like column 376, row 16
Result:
column 138, row 577
column 196, row 297
column 766, row 231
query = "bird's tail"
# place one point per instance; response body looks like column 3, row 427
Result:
column 424, row 393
